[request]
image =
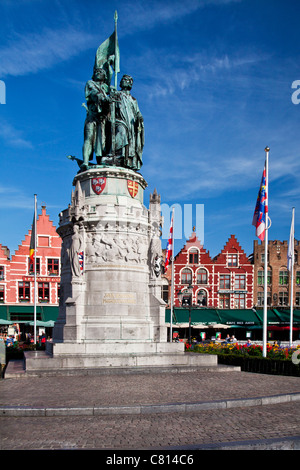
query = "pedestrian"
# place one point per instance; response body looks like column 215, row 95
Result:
column 9, row 341
column 227, row 339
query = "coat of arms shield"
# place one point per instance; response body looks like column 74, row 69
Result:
column 133, row 187
column 98, row 184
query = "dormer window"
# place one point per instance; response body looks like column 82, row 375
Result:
column 232, row 260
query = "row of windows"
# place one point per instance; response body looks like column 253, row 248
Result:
column 52, row 267
column 283, row 277
column 262, row 257
column 202, row 278
column 232, row 259
column 224, row 300
column 240, row 280
column 24, row 292
column 282, row 300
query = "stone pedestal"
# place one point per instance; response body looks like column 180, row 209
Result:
column 111, row 312
column 109, row 289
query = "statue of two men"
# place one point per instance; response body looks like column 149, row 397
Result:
column 114, row 125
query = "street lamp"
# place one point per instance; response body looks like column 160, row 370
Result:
column 186, row 302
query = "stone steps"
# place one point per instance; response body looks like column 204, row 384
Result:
column 39, row 363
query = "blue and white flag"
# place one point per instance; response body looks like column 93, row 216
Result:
column 261, row 209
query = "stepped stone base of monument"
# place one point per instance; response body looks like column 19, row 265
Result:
column 95, row 358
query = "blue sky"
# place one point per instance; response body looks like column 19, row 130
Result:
column 213, row 80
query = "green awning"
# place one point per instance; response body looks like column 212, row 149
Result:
column 272, row 317
column 280, row 316
column 50, row 313
column 211, row 316
column 239, row 317
column 198, row 315
column 285, row 315
column 4, row 311
column 25, row 313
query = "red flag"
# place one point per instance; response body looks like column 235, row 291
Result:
column 169, row 252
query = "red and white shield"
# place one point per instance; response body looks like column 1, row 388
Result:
column 133, row 187
column 98, row 184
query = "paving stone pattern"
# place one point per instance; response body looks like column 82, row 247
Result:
column 148, row 431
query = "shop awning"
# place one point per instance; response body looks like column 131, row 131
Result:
column 272, row 316
column 198, row 316
column 235, row 318
column 285, row 314
column 6, row 322
column 218, row 317
column 280, row 316
column 24, row 313
column 4, row 312
column 239, row 317
column 48, row 324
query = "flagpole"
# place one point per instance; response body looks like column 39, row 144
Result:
column 265, row 322
column 172, row 281
column 113, row 104
column 291, row 267
column 116, row 73
column 35, row 235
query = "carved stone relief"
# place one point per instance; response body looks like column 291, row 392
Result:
column 104, row 247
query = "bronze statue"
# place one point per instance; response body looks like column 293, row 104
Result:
column 96, row 118
column 114, row 125
column 129, row 126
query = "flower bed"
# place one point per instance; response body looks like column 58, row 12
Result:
column 250, row 358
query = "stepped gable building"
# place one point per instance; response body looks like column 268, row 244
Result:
column 193, row 266
column 224, row 282
column 233, row 276
column 4, row 271
column 17, row 276
column 279, row 278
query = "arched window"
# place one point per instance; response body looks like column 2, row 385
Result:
column 186, row 276
column 201, row 276
column 261, row 277
column 283, row 277
column 186, row 298
column 202, row 298
column 193, row 256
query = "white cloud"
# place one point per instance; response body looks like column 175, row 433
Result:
column 12, row 197
column 13, row 137
column 146, row 15
column 29, row 53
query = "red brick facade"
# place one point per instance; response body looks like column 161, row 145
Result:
column 279, row 278
column 223, row 282
column 16, row 274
